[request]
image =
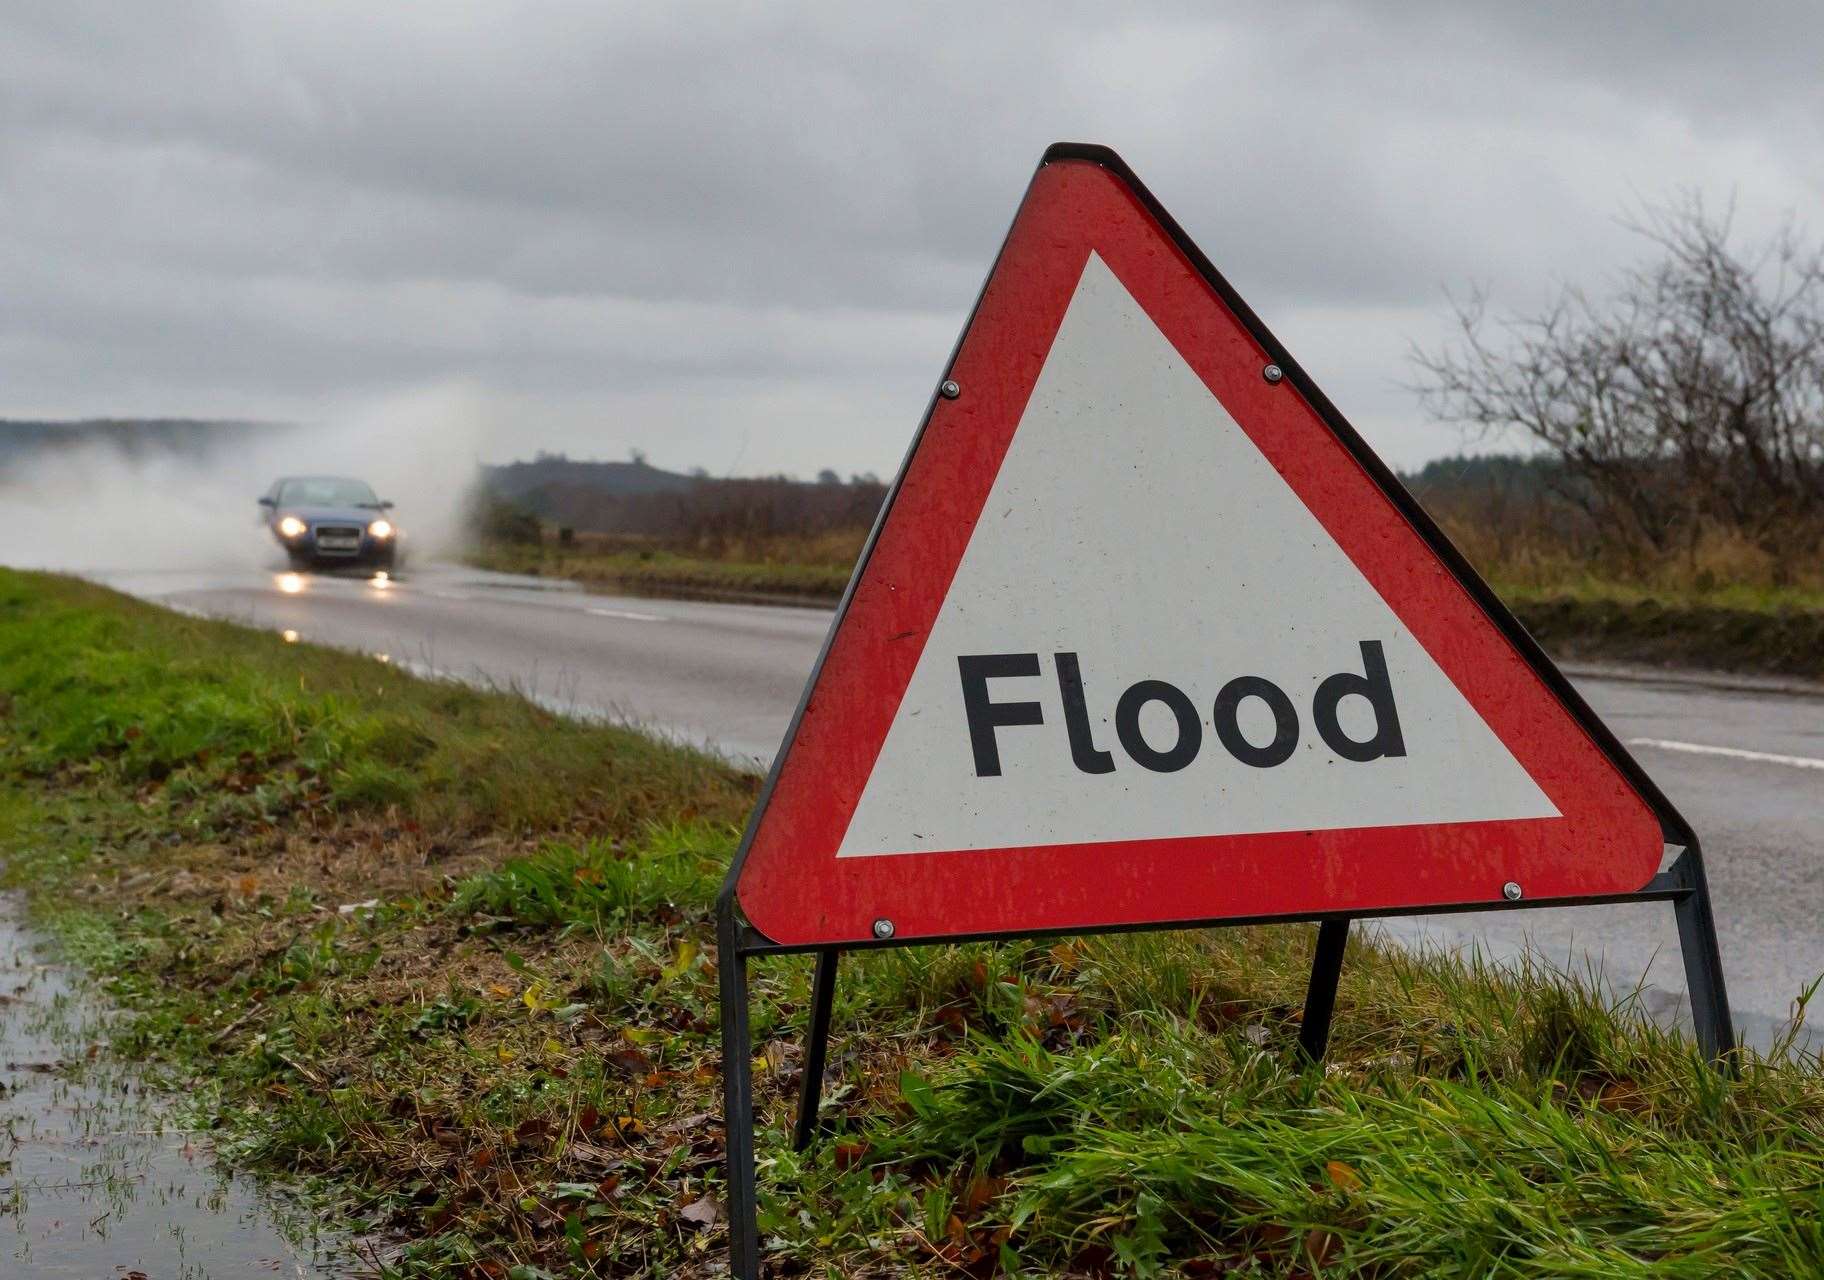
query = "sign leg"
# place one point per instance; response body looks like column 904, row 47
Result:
column 1320, row 996
column 737, row 1100
column 1703, row 961
column 816, row 1046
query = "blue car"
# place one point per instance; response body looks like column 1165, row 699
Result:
column 325, row 521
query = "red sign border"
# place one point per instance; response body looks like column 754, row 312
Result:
column 951, row 896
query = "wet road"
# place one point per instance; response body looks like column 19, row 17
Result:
column 97, row 1175
column 1743, row 759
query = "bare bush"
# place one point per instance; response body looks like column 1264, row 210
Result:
column 1689, row 401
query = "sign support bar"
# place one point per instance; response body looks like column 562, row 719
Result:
column 1703, row 958
column 816, row 1045
column 1320, row 996
column 737, row 1097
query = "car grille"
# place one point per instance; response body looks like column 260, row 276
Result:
column 338, row 539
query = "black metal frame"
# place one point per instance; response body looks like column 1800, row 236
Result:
column 1683, row 883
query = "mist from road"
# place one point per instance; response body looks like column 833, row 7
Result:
column 92, row 507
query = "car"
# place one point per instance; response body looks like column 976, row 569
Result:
column 325, row 521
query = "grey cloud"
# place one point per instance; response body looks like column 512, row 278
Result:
column 273, row 208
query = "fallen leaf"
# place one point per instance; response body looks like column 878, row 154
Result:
column 687, row 952
column 979, row 1192
column 703, row 1213
column 629, row 1060
column 1342, row 1176
column 1321, row 1246
column 1623, row 1095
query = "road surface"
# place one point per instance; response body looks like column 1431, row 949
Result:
column 1743, row 759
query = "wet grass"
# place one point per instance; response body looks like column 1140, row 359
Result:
column 211, row 725
column 487, row 1016
column 1766, row 633
column 1700, row 621
column 665, row 571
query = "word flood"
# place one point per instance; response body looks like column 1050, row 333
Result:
column 986, row 715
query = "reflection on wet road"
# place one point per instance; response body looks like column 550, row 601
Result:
column 96, row 1178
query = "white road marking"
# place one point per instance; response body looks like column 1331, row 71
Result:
column 627, row 614
column 1734, row 753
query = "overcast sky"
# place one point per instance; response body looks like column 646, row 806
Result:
column 745, row 237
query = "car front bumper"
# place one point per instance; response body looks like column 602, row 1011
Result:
column 339, row 544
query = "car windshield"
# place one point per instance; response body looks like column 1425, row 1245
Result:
column 326, row 491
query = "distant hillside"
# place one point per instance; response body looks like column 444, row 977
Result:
column 635, row 498
column 131, row 436
column 550, row 478
column 1480, row 473
column 618, row 497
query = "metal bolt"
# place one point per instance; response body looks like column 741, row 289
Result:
column 1273, row 373
column 883, row 928
column 950, row 391
column 1511, row 891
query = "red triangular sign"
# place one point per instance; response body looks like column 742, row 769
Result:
column 1146, row 635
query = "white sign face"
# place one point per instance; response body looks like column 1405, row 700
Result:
column 1150, row 636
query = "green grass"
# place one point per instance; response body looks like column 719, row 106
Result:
column 1745, row 597
column 217, row 723
column 667, row 572
column 1699, row 620
column 1767, row 633
column 478, row 1004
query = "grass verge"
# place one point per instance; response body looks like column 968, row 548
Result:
column 453, row 955
column 626, row 565
column 1758, row 633
column 1748, row 629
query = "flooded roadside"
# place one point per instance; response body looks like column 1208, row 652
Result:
column 97, row 1178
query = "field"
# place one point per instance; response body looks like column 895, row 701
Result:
column 449, row 958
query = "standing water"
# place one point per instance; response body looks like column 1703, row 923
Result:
column 96, row 1179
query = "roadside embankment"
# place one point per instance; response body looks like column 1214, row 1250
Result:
column 1775, row 640
column 1761, row 633
column 453, row 955
column 623, row 566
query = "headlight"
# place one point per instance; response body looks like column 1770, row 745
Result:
column 291, row 527
column 381, row 528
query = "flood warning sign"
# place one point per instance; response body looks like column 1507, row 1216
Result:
column 1146, row 634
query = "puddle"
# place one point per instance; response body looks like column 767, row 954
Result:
column 97, row 1178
